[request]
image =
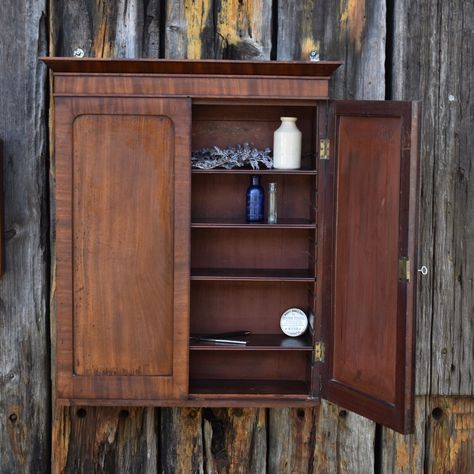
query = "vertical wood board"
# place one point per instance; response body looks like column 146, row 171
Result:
column 352, row 31
column 24, row 354
column 433, row 61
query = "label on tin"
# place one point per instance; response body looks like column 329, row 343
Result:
column 294, row 322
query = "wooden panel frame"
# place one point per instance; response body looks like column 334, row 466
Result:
column 398, row 415
column 68, row 385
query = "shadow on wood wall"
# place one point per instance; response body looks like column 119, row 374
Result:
column 395, row 50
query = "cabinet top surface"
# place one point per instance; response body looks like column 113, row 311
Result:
column 322, row 69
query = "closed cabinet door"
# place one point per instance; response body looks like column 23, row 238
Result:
column 369, row 242
column 122, row 234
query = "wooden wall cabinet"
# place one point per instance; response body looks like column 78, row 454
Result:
column 149, row 250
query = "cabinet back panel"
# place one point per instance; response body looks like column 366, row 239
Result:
column 251, row 248
column 254, row 306
column 123, row 245
column 225, row 126
column 223, row 195
column 249, row 366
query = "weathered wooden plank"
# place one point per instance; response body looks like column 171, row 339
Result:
column 181, row 440
column 243, row 29
column 415, row 76
column 405, row 454
column 344, row 441
column 189, row 29
column 433, row 61
column 123, row 28
column 352, row 31
column 24, row 358
column 104, row 440
column 291, row 440
column 326, row 439
column 235, row 440
column 214, row 29
column 443, row 440
column 231, row 440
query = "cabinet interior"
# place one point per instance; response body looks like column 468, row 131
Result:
column 244, row 276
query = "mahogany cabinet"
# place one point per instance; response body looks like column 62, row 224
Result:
column 149, row 250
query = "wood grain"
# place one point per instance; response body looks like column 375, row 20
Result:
column 243, row 29
column 74, row 303
column 181, row 448
column 211, row 86
column 244, row 449
column 107, row 439
column 235, row 440
column 123, row 248
column 189, row 29
column 106, row 28
column 443, row 440
column 24, row 311
column 344, row 441
column 349, row 30
column 374, row 378
column 2, row 213
column 441, row 73
column 292, row 440
column 91, row 26
column 355, row 32
column 215, row 29
column 429, row 56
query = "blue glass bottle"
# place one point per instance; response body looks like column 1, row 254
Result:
column 255, row 201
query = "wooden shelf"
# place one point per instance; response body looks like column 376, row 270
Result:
column 252, row 274
column 204, row 223
column 258, row 342
column 251, row 171
column 250, row 388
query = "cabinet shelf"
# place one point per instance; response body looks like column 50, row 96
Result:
column 251, row 388
column 204, row 223
column 311, row 172
column 252, row 274
column 258, row 342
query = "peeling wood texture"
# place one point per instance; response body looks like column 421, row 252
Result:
column 235, row 440
column 106, row 28
column 434, row 61
column 182, row 440
column 24, row 287
column 352, row 31
column 326, row 439
column 115, row 440
column 197, row 29
column 443, row 441
column 104, row 440
column 430, row 57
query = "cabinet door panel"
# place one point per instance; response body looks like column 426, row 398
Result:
column 123, row 173
column 370, row 336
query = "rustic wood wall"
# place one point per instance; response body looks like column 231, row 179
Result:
column 400, row 49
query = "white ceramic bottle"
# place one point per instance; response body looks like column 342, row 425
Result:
column 287, row 145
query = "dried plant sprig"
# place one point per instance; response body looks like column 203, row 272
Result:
column 231, row 157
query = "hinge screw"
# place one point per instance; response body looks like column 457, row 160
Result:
column 78, row 53
column 314, row 56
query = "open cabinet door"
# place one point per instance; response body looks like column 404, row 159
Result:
column 370, row 295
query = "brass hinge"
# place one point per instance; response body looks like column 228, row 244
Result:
column 324, row 149
column 404, row 269
column 319, row 351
